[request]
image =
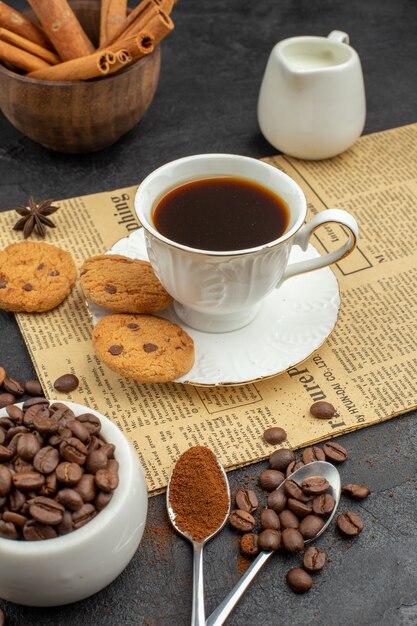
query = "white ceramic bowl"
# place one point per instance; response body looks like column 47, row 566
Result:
column 74, row 566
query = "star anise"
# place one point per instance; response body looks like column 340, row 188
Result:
column 34, row 217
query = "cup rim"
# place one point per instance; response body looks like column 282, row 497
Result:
column 28, row 549
column 147, row 226
column 319, row 40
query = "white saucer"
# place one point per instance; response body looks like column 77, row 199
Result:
column 293, row 322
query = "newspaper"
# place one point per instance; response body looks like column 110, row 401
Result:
column 367, row 368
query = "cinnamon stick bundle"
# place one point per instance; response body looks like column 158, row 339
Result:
column 100, row 63
column 19, row 24
column 160, row 25
column 63, row 28
column 22, row 59
column 25, row 44
column 112, row 15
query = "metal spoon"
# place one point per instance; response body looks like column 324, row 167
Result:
column 198, row 616
column 317, row 468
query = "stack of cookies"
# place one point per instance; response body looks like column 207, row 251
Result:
column 133, row 341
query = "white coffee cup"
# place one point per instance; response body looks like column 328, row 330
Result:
column 312, row 99
column 220, row 291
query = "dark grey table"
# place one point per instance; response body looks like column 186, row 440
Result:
column 206, row 102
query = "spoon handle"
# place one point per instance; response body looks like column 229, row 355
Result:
column 198, row 616
column 219, row 615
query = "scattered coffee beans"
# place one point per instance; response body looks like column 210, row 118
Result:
column 323, row 504
column 280, row 459
column 249, row 545
column 293, row 490
column 246, row 499
column 315, row 485
column 349, row 523
column 66, row 383
column 299, row 580
column 33, row 388
column 242, row 521
column 270, row 479
column 269, row 540
column 13, row 386
column 358, row 492
column 299, row 508
column 293, row 467
column 310, row 526
column 44, row 488
column 288, row 519
column 275, row 435
column 334, row 452
column 314, row 559
column 5, row 399
column 292, row 540
column 270, row 519
column 322, row 410
column 314, row 453
column 277, row 501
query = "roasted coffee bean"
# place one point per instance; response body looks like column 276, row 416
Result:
column 28, row 481
column 91, row 422
column 249, row 545
column 350, row 523
column 358, row 492
column 66, row 526
column 277, row 501
column 269, row 540
column 46, row 460
column 34, row 531
column 62, row 408
column 51, row 485
column 27, row 446
column 314, row 559
column 335, row 452
column 20, row 465
column 83, row 516
column 323, row 504
column 73, row 450
column 293, row 467
column 269, row 519
column 66, row 383
column 46, row 424
column 299, row 508
column 46, row 510
column 34, row 401
column 78, row 430
column 5, row 454
column 313, row 453
column 280, row 459
column 15, row 518
column 113, row 466
column 6, row 423
column 275, row 435
column 17, row 500
column 106, row 480
column 288, row 519
column 97, row 459
column 271, row 479
column 322, row 410
column 33, row 410
column 293, row 490
column 102, row 499
column 315, row 485
column 310, row 526
column 8, row 530
column 86, row 487
column 292, row 540
column 2, row 375
column 2, row 436
column 246, row 499
column 241, row 520
column 15, row 413
column 70, row 498
column 5, row 481
column 13, row 386
column 69, row 473
column 109, row 449
column 93, row 444
column 6, row 399
column 33, row 388
column 13, row 434
column 299, row 580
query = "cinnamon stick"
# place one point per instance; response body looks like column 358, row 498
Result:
column 21, row 25
column 100, row 63
column 22, row 59
column 63, row 28
column 160, row 25
column 137, row 46
column 141, row 8
column 25, row 44
column 165, row 5
column 112, row 15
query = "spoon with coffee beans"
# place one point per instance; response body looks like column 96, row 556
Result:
column 304, row 505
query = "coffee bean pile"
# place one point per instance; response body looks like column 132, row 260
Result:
column 56, row 472
column 297, row 513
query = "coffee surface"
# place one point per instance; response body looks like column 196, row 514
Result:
column 221, row 213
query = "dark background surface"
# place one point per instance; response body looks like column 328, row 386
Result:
column 212, row 67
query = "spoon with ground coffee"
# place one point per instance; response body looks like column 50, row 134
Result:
column 198, row 505
column 315, row 470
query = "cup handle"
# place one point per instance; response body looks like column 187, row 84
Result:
column 302, row 238
column 338, row 36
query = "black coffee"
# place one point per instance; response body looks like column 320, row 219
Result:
column 221, row 213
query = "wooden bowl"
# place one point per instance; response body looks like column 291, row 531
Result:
column 80, row 116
